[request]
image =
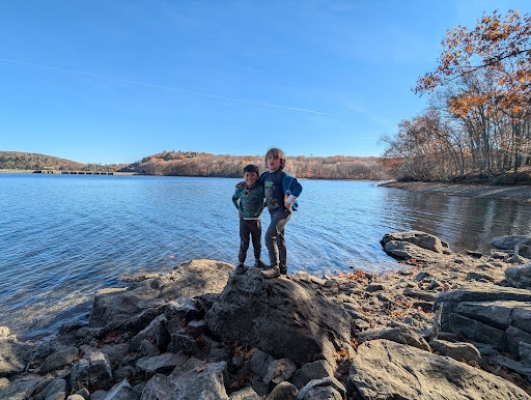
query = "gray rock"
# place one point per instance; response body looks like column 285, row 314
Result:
column 123, row 373
column 13, row 356
column 83, row 393
column 183, row 343
column 283, row 391
column 59, row 359
column 477, row 276
column 156, row 333
column 516, row 259
column 112, row 308
column 308, row 372
column 98, row 395
column 422, row 275
column 464, row 352
column 205, row 381
column 259, row 362
column 180, row 312
column 325, row 388
column 247, row 393
column 161, row 364
column 407, row 251
column 421, row 294
column 420, row 239
column 509, row 242
column 92, row 372
column 477, row 331
column 196, row 328
column 122, row 391
column 515, row 337
column 519, row 276
column 279, row 371
column 525, row 353
column 21, row 387
column 56, row 389
column 499, row 255
column 284, row 318
column 399, row 334
column 388, row 370
column 148, row 349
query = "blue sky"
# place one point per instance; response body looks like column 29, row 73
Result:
column 113, row 81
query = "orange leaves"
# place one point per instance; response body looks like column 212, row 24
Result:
column 356, row 275
column 340, row 355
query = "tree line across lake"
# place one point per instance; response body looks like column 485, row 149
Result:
column 190, row 163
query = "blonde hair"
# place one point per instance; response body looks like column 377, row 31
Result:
column 276, row 153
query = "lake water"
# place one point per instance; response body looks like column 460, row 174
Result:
column 62, row 237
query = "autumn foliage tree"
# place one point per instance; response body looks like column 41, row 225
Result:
column 483, row 85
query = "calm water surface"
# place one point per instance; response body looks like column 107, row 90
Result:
column 64, row 236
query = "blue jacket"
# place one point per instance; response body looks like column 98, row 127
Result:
column 290, row 186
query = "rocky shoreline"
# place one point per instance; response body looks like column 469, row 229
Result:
column 516, row 193
column 446, row 325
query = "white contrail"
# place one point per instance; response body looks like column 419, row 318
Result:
column 169, row 88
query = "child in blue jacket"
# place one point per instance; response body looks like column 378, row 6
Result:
column 281, row 192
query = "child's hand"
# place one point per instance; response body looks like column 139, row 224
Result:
column 287, row 205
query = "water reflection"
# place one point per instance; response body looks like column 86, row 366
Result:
column 466, row 223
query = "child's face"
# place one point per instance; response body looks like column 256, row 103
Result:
column 250, row 178
column 273, row 163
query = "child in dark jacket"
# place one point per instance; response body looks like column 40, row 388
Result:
column 281, row 192
column 249, row 200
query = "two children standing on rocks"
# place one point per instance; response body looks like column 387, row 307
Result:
column 280, row 190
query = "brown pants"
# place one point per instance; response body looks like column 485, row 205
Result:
column 252, row 228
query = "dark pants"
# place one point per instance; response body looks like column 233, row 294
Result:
column 274, row 238
column 252, row 228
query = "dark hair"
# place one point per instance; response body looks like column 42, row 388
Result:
column 276, row 153
column 251, row 168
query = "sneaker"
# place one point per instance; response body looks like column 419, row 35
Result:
column 260, row 264
column 283, row 269
column 240, row 269
column 270, row 273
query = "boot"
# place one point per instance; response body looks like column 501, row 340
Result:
column 260, row 264
column 240, row 269
column 270, row 273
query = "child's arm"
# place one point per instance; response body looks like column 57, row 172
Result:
column 236, row 198
column 293, row 191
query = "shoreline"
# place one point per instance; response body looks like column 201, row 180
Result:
column 516, row 194
column 140, row 336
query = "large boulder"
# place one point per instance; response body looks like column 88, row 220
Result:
column 389, row 370
column 414, row 245
column 283, row 317
column 519, row 276
column 486, row 313
column 116, row 307
column 511, row 242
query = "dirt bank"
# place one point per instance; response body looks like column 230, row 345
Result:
column 517, row 194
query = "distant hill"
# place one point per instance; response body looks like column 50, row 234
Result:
column 16, row 160
column 189, row 163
